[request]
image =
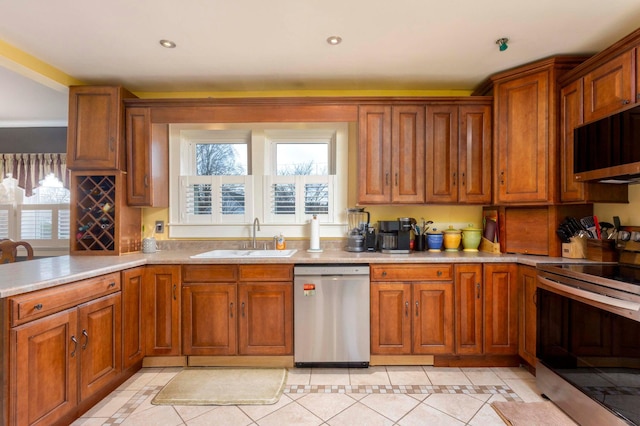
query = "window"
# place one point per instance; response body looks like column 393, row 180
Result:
column 223, row 176
column 41, row 219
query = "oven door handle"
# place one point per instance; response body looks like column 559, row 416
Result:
column 611, row 301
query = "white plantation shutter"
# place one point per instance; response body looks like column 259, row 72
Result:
column 6, row 219
column 292, row 199
column 44, row 224
column 216, row 199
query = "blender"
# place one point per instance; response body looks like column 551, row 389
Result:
column 358, row 227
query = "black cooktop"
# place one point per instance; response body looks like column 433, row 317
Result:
column 624, row 273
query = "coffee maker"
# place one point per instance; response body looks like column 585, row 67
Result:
column 358, row 232
column 394, row 236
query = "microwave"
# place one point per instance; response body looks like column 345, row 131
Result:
column 608, row 149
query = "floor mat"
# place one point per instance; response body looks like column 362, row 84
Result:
column 532, row 414
column 224, row 386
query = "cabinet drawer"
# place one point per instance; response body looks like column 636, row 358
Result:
column 443, row 272
column 209, row 273
column 30, row 306
column 266, row 273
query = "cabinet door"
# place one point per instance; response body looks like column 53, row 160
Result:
column 209, row 319
column 44, row 382
column 390, row 318
column 161, row 295
column 132, row 315
column 95, row 126
column 433, row 318
column 100, row 343
column 609, row 87
column 474, row 154
column 138, row 134
column 522, row 157
column 442, row 153
column 407, row 151
column 265, row 320
column 374, row 154
column 570, row 117
column 468, row 309
column 527, row 285
column 500, row 309
column 147, row 160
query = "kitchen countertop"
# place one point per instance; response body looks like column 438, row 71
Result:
column 23, row 277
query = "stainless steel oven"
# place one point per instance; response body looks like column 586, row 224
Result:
column 588, row 341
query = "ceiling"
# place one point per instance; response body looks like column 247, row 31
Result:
column 280, row 45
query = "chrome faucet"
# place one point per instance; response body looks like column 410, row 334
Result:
column 253, row 239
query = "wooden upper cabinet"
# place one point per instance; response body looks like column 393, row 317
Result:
column 407, row 154
column 458, row 142
column 609, row 87
column 147, row 160
column 391, row 154
column 95, row 136
column 374, row 154
column 524, row 150
column 571, row 116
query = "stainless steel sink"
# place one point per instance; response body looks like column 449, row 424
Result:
column 234, row 254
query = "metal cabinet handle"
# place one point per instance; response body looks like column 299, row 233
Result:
column 175, row 287
column 242, row 309
column 231, row 310
column 384, row 273
column 626, row 102
column 112, row 144
column 396, row 178
column 477, row 290
column 463, row 182
column 502, row 177
column 386, row 178
column 406, row 309
column 454, row 178
column 112, row 284
column 417, row 309
column 439, row 273
column 75, row 346
column 86, row 342
column 146, row 181
column 38, row 306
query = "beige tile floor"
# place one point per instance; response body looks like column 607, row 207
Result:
column 416, row 395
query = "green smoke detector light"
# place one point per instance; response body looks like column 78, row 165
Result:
column 502, row 43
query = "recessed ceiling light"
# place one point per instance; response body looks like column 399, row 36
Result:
column 333, row 40
column 167, row 43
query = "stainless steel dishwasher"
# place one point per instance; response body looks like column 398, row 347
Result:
column 331, row 316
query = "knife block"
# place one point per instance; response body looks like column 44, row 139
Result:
column 602, row 250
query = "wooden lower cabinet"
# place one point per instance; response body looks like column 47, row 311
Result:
column 132, row 316
column 501, row 308
column 527, row 285
column 63, row 359
column 46, row 377
column 161, row 294
column 410, row 316
column 468, row 309
column 237, row 310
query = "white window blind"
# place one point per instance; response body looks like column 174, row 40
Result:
column 216, row 199
column 292, row 199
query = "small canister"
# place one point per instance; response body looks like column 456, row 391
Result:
column 434, row 240
column 452, row 238
column 149, row 245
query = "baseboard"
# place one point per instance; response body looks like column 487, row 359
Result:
column 401, row 360
column 164, row 361
column 240, row 361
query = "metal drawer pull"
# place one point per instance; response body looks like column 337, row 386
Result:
column 75, row 346
column 175, row 287
column 112, row 284
column 38, row 306
column 477, row 290
column 406, row 309
column 242, row 309
column 86, row 342
column 231, row 309
column 417, row 309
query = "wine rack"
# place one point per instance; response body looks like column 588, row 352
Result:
column 95, row 219
column 101, row 221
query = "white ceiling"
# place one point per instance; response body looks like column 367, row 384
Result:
column 278, row 45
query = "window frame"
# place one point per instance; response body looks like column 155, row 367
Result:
column 261, row 163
